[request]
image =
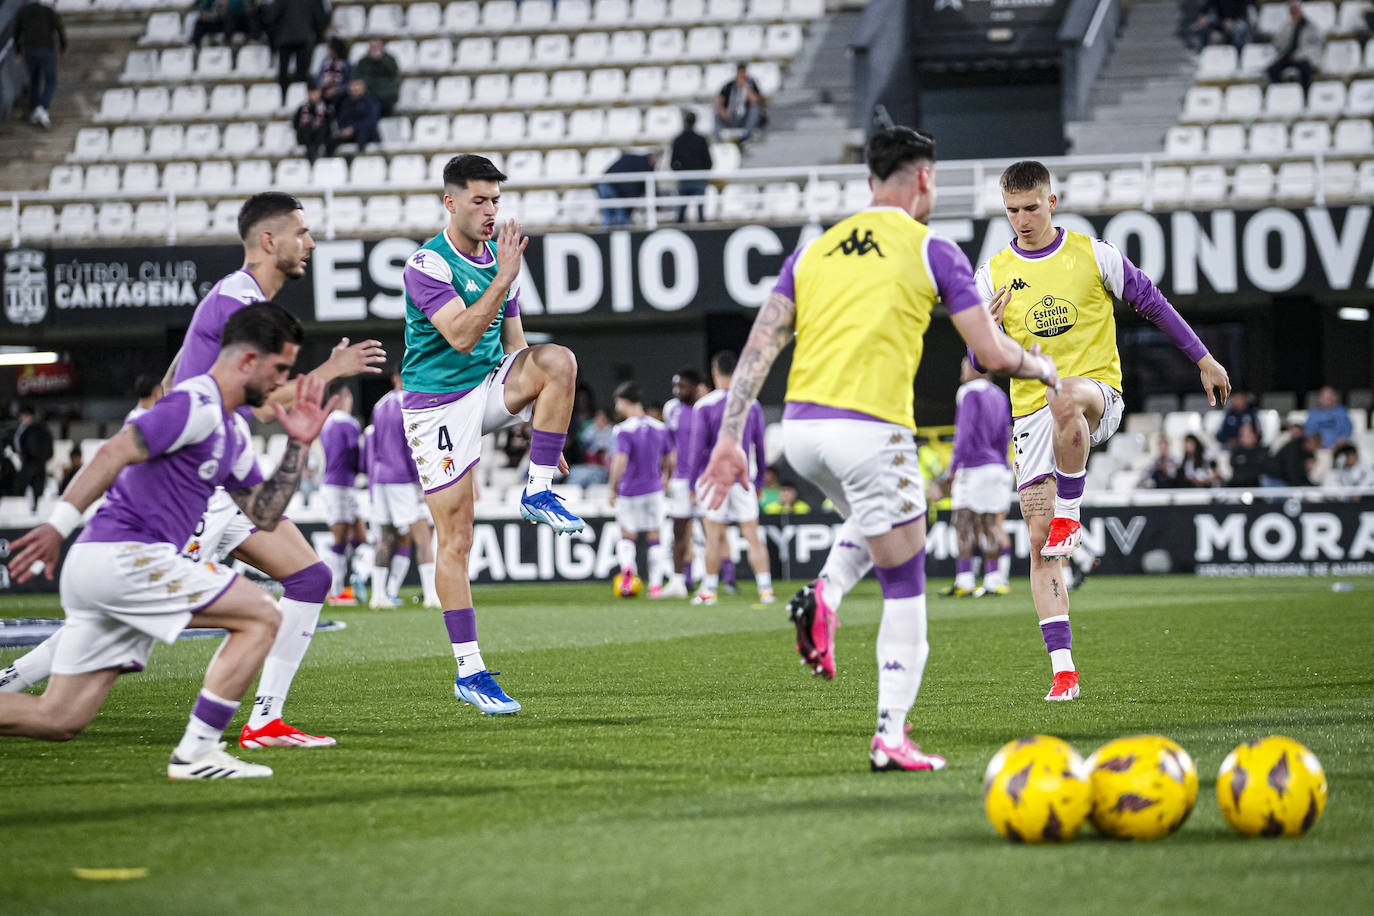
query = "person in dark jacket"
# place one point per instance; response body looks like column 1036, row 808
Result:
column 381, row 73
column 690, row 153
column 335, row 73
column 1291, row 466
column 313, row 124
column 355, row 119
column 294, row 27
column 1241, row 412
column 38, row 33
column 627, row 163
column 1249, row 459
column 1229, row 18
column 739, row 104
column 33, row 443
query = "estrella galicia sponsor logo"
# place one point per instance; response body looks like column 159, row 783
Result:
column 1051, row 317
column 856, row 244
column 26, row 286
column 1019, row 284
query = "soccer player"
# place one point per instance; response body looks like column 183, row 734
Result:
column 340, row 441
column 1061, row 286
column 276, row 248
column 640, row 464
column 124, row 585
column 468, row 371
column 982, row 483
column 859, row 298
column 398, row 507
column 741, row 503
column 148, row 390
column 677, row 417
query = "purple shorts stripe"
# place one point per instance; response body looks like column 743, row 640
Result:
column 461, row 625
column 1037, row 479
column 418, row 400
column 807, row 410
column 905, row 581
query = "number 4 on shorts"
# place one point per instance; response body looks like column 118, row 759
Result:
column 445, row 443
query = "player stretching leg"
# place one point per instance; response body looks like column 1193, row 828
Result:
column 340, row 440
column 859, row 298
column 639, row 467
column 468, row 372
column 1061, row 288
column 677, row 417
column 276, row 247
column 982, row 480
column 398, row 507
column 741, row 503
column 124, row 585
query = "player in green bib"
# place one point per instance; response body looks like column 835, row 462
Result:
column 468, row 371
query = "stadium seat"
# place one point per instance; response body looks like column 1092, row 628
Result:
column 683, row 80
column 507, row 128
column 1283, row 101
column 241, row 139
column 805, row 9
column 423, row 212
column 424, row 19
column 262, row 100
column 513, row 51
column 498, row 15
column 417, row 93
column 739, row 202
column 1253, row 181
column 540, row 208
column 1341, row 57
column 1338, row 180
column 434, row 55
column 743, row 42
column 1217, row 62
column 568, row 86
column 569, row 13
column 624, row 125
column 1353, row 136
column 578, row 207
column 102, row 179
column 528, row 89
column 1296, row 181
column 140, row 178
column 66, row 180
column 649, row 13
column 152, row 103
column 37, row 221
column 591, row 48
column 686, row 11
column 1272, row 18
column 383, row 213
column 252, row 175
column 1180, row 142
column 725, row 10
column 1125, row 187
column 176, row 64
column 1085, row 190
column 140, row 66
column 1351, row 18
column 768, row 75
column 606, row 85
column 1207, row 183
column 562, row 165
column 766, row 9
column 491, row 90
column 116, row 105
column 349, row 21
column 1242, row 102
column 385, row 19
column 1326, row 99
column 202, row 140
column 1359, row 101
column 821, row 198
column 1311, row 137
column 128, row 142
column 212, row 63
column 452, row 91
column 1369, row 56
column 468, row 129
column 367, row 171
column 666, row 44
column 598, row 160
column 344, row 214
column 628, row 47
column 461, row 17
column 1225, row 140
column 611, row 13
column 226, row 101
column 1267, row 139
column 164, row 28
column 151, row 219
column 645, row 83
column 546, row 127
column 782, row 200
column 1256, row 57
column 524, row 165
column 167, row 141
column 278, row 139
column 783, row 39
column 1202, row 104
column 189, row 102
column 475, row 53
column 552, row 50
column 293, row 173
column 255, row 62
column 431, row 131
column 535, row 14
column 662, row 123
column 224, row 218
column 725, row 158
column 329, row 172
column 216, row 176
column 179, row 177
column 76, row 221
column 406, row 170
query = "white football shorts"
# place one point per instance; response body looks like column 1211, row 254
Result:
column 640, row 514
column 868, row 469
column 986, row 489
column 680, row 498
column 340, row 504
column 1033, row 436
column 121, row 597
column 741, row 505
column 446, row 440
column 222, row 529
column 397, row 504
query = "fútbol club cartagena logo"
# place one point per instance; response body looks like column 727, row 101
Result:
column 26, row 286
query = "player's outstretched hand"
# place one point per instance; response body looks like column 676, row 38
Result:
column 1215, row 381
column 302, row 423
column 510, row 247
column 998, row 306
column 364, row 358
column 728, row 466
column 1051, row 376
column 41, row 545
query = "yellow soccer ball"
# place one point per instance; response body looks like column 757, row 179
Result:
column 1143, row 787
column 1271, row 787
column 636, row 585
column 1035, row 790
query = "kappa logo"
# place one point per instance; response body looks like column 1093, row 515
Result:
column 1019, row 284
column 472, row 287
column 857, row 245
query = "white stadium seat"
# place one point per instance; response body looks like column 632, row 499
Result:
column 1225, row 140
column 151, row 219
column 241, row 139
column 251, row 175
column 725, row 159
column 345, row 214
column 491, row 90
column 475, row 53
column 1351, row 18
column 102, row 179
column 1085, row 189
column 599, row 159
column 684, row 80
column 1296, row 181
column 610, row 12
column 424, row 19
column 423, row 212
column 1311, row 137
column 1340, row 58
column 189, row 102
column 176, row 64
column 1207, row 183
column 744, row 41
column 179, row 177
column 152, row 103
column 725, row 10
column 278, row 139
column 766, row 9
column 1339, row 180
column 452, row 91
column 37, row 221
column 1168, row 185
column 524, row 165
column 383, row 213
column 293, row 173
column 224, row 218
column 666, row 44
column 212, row 62
column 430, row 132
column 1253, row 181
column 645, row 83
column 128, row 142
column 535, row 14
column 529, row 88
column 562, row 165
column 1256, row 57
column 216, row 176
column 687, row 10
column 649, row 12
column 627, row 47
column 1125, row 187
column 540, row 208
column 552, row 50
column 586, row 125
column 469, row 130
column 662, row 123
column 782, row 40
column 823, row 197
column 366, row 171
column 624, row 125
column 1217, row 62
column 782, row 200
column 591, row 48
column 140, row 178
column 66, row 180
column 568, row 86
column 1272, row 18
column 116, row 105
column 418, row 93
column 164, row 29
column 506, row 129
column 1243, row 102
column 498, row 15
column 350, row 21
column 192, row 217
column 91, row 143
column 1182, row 141
column 461, row 17
column 434, row 55
column 262, row 100
column 579, row 206
column 573, row 12
column 1359, row 101
column 1354, row 136
column 514, row 51
column 115, row 219
column 167, row 141
column 1268, row 139
column 1326, row 99
column 202, row 140
column 1322, row 14
column 546, row 127
column 385, row 19
column 1202, row 104
column 1283, row 101
column 255, row 62
column 405, row 170
column 329, row 172
column 805, row 9
column 606, row 85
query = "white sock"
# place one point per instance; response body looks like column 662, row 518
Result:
column 1067, row 508
column 379, row 577
column 31, row 667
column 201, row 737
column 625, row 555
column 338, row 570
column 849, row 561
column 400, row 565
column 427, row 584
column 1061, row 660
column 965, row 580
column 677, row 580
column 902, row 653
column 298, row 621
column 710, row 584
column 658, row 554
column 541, row 477
column 764, row 581
column 469, row 658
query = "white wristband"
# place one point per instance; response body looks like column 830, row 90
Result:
column 65, row 518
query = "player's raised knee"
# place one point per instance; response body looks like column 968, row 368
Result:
column 557, row 363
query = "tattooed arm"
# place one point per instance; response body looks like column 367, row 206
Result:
column 265, row 503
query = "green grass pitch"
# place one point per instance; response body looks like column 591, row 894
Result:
column 676, row 759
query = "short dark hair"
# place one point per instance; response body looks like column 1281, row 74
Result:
column 689, row 119
column 724, row 362
column 893, row 148
column 267, row 205
column 1341, row 450
column 28, row 409
column 1026, row 175
column 339, row 47
column 689, row 373
column 264, row 326
column 146, row 384
column 466, row 167
column 630, row 391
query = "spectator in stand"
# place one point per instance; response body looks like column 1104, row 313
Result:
column 690, row 153
column 356, row 119
column 209, row 20
column 294, row 27
column 1298, row 46
column 1164, row 468
column 335, row 73
column 1229, row 18
column 240, row 16
column 38, row 33
column 1329, row 421
column 313, row 125
column 72, row 468
column 1196, row 469
column 1249, row 459
column 1240, row 413
column 788, row 502
column 627, row 163
column 33, row 444
column 739, row 104
column 381, row 73
column 595, row 440
column 1291, row 465
column 1347, row 470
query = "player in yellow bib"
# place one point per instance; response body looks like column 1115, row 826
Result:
column 1061, row 286
column 859, row 299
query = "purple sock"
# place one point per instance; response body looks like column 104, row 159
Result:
column 962, row 566
column 1057, row 635
column 687, row 574
column 403, row 551
column 545, row 448
column 905, row 581
column 310, row 585
column 1069, row 487
column 727, row 571
column 213, row 712
column 340, row 549
column 461, row 624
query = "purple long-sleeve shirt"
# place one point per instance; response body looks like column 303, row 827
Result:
column 982, row 425
column 645, row 442
column 677, row 417
column 340, row 439
column 707, row 414
column 389, row 459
